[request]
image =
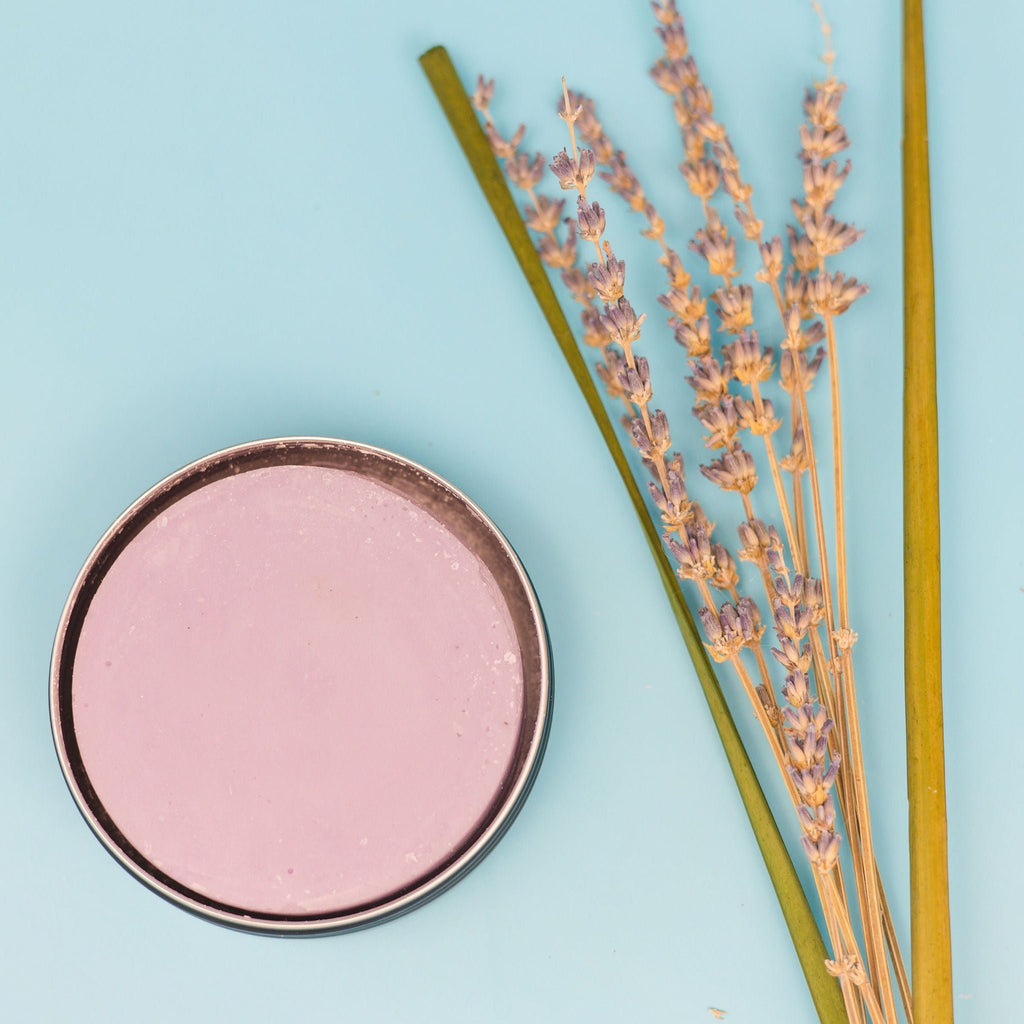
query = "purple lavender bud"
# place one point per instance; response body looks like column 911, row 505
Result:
column 787, row 654
column 771, row 257
column 819, row 144
column 673, row 39
column 726, row 576
column 564, row 169
column 545, row 216
column 638, row 430
column 679, row 552
column 801, row 752
column 608, row 278
column 658, row 496
column 524, row 172
column 623, row 182
column 813, row 333
column 824, row 853
column 677, row 485
column 577, row 285
column 822, row 105
column 730, row 620
column 636, row 382
column 803, row 619
column 665, row 13
column 797, row 689
column 708, row 380
column 828, row 235
column 826, row 813
column 790, row 594
column 808, row 821
column 720, row 420
column 670, row 75
column 785, row 623
column 620, row 321
column 821, row 721
column 814, row 364
column 712, row 625
column 753, row 533
column 591, row 220
column 750, row 620
column 659, row 429
column 734, row 471
column 695, row 338
column 796, row 719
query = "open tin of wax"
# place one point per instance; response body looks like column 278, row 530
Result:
column 301, row 685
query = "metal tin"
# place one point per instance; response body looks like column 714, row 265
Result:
column 446, row 504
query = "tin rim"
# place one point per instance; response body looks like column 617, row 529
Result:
column 459, row 514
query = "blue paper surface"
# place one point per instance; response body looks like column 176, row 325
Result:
column 227, row 221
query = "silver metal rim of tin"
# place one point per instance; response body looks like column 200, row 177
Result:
column 458, row 513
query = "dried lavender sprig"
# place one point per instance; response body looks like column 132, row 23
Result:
column 677, row 74
column 710, row 162
column 711, row 159
column 699, row 560
column 723, row 414
column 814, row 292
column 689, row 320
column 542, row 215
column 624, row 183
column 797, row 608
column 826, row 296
column 650, row 432
column 735, row 311
column 686, row 305
column 829, row 295
column 650, row 435
column 683, row 299
column 607, row 275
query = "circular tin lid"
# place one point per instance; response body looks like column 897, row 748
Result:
column 301, row 685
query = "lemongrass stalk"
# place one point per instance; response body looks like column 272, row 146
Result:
column 807, row 941
column 931, row 961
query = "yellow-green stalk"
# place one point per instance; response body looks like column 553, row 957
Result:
column 931, row 958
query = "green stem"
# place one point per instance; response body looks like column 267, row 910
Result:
column 795, row 908
column 931, row 957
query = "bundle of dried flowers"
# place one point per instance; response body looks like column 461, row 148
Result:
column 815, row 736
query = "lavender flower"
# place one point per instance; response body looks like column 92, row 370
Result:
column 608, row 278
column 720, row 420
column 708, row 380
column 621, row 322
column 590, row 219
column 574, row 172
column 636, row 382
column 694, row 554
column 734, row 471
column 735, row 307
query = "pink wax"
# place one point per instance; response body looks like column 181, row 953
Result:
column 296, row 691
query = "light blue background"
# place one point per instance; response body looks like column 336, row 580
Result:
column 226, row 221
